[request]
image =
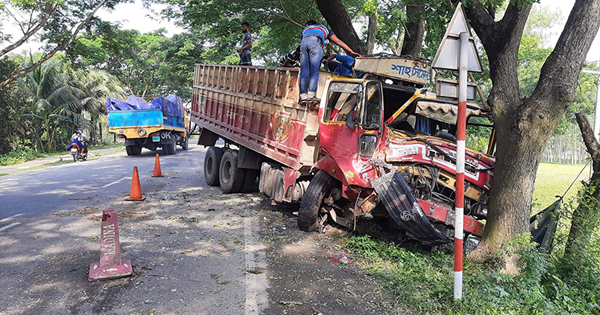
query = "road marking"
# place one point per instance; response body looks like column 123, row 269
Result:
column 116, row 182
column 256, row 283
column 9, row 226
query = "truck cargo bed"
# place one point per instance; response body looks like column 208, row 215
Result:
column 257, row 108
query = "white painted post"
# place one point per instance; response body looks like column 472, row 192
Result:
column 460, row 164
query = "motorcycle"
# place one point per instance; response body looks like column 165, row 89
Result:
column 78, row 152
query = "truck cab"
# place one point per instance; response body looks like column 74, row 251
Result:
column 380, row 125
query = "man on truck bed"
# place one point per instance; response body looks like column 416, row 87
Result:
column 246, row 49
column 344, row 64
column 311, row 54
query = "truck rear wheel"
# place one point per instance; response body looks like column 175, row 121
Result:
column 231, row 177
column 184, row 143
column 212, row 163
column 133, row 149
column 169, row 148
column 319, row 188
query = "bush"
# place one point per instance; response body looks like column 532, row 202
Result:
column 423, row 282
column 18, row 157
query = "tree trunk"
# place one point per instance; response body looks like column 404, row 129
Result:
column 585, row 217
column 336, row 15
column 371, row 31
column 517, row 160
column 524, row 125
column 413, row 30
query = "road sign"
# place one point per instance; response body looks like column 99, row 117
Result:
column 447, row 56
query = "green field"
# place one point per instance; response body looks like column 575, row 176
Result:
column 554, row 179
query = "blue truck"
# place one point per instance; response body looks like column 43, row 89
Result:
column 160, row 124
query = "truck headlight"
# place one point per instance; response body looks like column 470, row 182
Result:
column 142, row 132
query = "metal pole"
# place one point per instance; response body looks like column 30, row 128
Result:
column 597, row 116
column 460, row 164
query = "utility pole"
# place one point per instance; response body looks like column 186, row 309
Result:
column 596, row 75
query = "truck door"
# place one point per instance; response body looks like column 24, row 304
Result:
column 371, row 119
column 338, row 115
column 351, row 124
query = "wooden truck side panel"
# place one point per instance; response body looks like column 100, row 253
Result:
column 257, row 107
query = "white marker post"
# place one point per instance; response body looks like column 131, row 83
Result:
column 461, row 135
column 458, row 52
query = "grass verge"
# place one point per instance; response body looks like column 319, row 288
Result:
column 63, row 161
column 422, row 283
column 28, row 155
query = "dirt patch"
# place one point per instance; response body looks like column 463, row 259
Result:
column 310, row 273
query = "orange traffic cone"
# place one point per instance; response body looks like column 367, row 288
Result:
column 136, row 191
column 157, row 172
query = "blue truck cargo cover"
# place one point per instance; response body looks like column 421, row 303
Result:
column 170, row 105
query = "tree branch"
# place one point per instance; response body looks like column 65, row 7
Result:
column 587, row 133
column 50, row 54
column 30, row 31
column 558, row 77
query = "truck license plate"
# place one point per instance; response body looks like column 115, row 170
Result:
column 155, row 139
column 399, row 152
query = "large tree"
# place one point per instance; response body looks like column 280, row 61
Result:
column 55, row 22
column 524, row 125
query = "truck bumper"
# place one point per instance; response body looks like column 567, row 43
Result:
column 404, row 209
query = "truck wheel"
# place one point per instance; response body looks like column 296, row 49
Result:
column 320, row 186
column 169, row 148
column 184, row 143
column 212, row 162
column 250, row 184
column 133, row 149
column 231, row 177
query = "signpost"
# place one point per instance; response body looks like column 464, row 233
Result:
column 458, row 52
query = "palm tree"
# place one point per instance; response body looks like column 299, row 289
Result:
column 64, row 100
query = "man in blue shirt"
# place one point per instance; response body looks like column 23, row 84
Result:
column 343, row 65
column 311, row 54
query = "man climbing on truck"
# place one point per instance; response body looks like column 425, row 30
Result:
column 311, row 54
column 343, row 64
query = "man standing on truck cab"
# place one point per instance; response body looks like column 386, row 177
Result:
column 246, row 46
column 311, row 53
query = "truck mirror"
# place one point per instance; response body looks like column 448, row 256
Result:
column 351, row 119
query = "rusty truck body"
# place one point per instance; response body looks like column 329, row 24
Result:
column 377, row 146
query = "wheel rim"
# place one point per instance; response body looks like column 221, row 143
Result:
column 227, row 171
column 209, row 166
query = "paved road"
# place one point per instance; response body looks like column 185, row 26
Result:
column 194, row 250
column 188, row 258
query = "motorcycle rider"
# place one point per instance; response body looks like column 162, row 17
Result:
column 81, row 138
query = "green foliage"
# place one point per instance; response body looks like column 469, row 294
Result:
column 149, row 64
column 423, row 282
column 15, row 157
column 276, row 25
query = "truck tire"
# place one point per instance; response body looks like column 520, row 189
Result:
column 231, row 177
column 133, row 149
column 250, row 184
column 184, row 143
column 212, row 163
column 169, row 148
column 319, row 187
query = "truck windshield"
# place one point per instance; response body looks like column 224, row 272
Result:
column 342, row 98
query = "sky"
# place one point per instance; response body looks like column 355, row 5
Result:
column 144, row 21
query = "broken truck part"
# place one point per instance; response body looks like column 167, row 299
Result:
column 381, row 146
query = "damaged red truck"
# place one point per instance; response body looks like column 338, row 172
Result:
column 377, row 146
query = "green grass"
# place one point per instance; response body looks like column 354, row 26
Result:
column 21, row 156
column 554, row 179
column 422, row 283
